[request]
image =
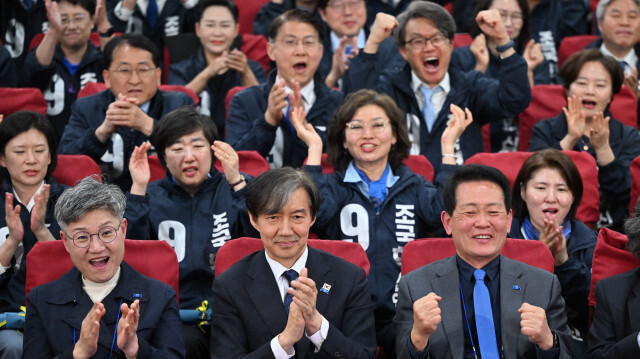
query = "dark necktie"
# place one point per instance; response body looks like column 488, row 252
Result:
column 288, row 298
column 484, row 318
column 152, row 13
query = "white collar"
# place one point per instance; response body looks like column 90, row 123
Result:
column 445, row 83
column 98, row 291
column 335, row 40
column 32, row 202
column 277, row 269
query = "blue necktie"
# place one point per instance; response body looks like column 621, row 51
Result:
column 428, row 111
column 152, row 13
column 484, row 318
column 288, row 298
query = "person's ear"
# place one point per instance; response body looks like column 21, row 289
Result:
column 446, row 221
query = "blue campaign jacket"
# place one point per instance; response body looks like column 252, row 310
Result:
column 615, row 178
column 248, row 130
column 574, row 274
column 18, row 26
column 196, row 227
column 58, row 86
column 88, row 113
column 12, row 281
column 56, row 310
column 212, row 99
column 411, row 210
column 8, row 74
column 488, row 99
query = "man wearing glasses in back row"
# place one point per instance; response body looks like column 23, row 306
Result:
column 108, row 125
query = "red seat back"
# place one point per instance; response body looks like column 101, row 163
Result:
column 251, row 163
column 20, row 99
column 184, row 89
column 247, row 10
column 234, row 250
column 509, row 164
column 624, row 107
column 424, row 251
column 91, row 88
column 48, row 261
column 420, row 165
column 72, row 168
column 462, row 39
column 572, row 44
column 610, row 257
column 546, row 102
column 635, row 183
column 156, row 168
column 227, row 98
column 255, row 48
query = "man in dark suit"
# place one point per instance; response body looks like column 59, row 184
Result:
column 615, row 330
column 261, row 310
column 512, row 310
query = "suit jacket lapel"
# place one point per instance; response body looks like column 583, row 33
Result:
column 265, row 295
column 446, row 284
column 511, row 298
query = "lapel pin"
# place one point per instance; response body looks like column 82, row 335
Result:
column 515, row 287
column 136, row 295
column 325, row 288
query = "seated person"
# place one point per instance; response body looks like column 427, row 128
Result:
column 590, row 80
column 427, row 84
column 614, row 330
column 20, row 22
column 373, row 198
column 478, row 300
column 274, row 8
column 345, row 34
column 62, row 69
column 219, row 64
column 546, row 195
column 28, row 156
column 276, row 302
column 194, row 208
column 259, row 115
column 154, row 19
column 145, row 324
column 108, row 125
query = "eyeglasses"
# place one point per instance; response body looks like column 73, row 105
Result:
column 340, row 6
column 292, row 42
column 419, row 43
column 516, row 17
column 357, row 127
column 76, row 19
column 126, row 72
column 105, row 234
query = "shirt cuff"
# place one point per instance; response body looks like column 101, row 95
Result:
column 415, row 354
column 189, row 4
column 279, row 352
column 3, row 269
column 122, row 13
column 320, row 336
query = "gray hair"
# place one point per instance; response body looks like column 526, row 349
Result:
column 632, row 229
column 602, row 7
column 269, row 192
column 426, row 10
column 87, row 195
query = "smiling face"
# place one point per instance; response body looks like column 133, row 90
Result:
column 369, row 137
column 27, row 158
column 139, row 85
column 430, row 63
column 593, row 85
column 479, row 223
column 189, row 160
column 547, row 196
column 345, row 17
column 620, row 26
column 80, row 23
column 511, row 16
column 285, row 233
column 99, row 261
column 297, row 52
column 216, row 29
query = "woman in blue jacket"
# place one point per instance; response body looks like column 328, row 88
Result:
column 546, row 195
column 373, row 198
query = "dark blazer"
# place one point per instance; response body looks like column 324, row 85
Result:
column 55, row 312
column 616, row 321
column 537, row 287
column 248, row 310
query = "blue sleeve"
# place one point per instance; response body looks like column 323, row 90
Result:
column 79, row 135
column 364, row 73
column 615, row 177
column 118, row 25
column 8, row 74
column 572, row 18
column 258, row 71
column 178, row 74
column 167, row 339
column 35, row 74
column 267, row 13
column 35, row 341
column 462, row 59
column 137, row 213
column 542, row 137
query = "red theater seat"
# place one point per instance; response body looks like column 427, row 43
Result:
column 251, row 163
column 635, row 183
column 572, row 44
column 21, row 99
column 72, row 168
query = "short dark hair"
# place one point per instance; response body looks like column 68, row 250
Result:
column 523, row 37
column 89, row 5
column 294, row 15
column 269, row 192
column 632, row 229
column 133, row 40
column 547, row 158
column 203, row 5
column 571, row 68
column 180, row 122
column 474, row 173
column 336, row 154
column 425, row 10
column 23, row 121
